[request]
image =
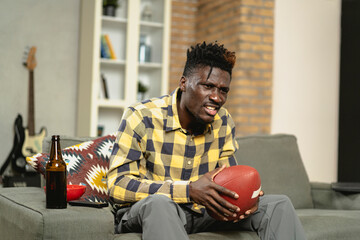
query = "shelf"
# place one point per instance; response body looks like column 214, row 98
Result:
column 107, row 19
column 149, row 65
column 111, row 103
column 151, row 24
column 106, row 61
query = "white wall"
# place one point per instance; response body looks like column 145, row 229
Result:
column 306, row 80
column 53, row 27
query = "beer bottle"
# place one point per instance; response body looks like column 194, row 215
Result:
column 56, row 176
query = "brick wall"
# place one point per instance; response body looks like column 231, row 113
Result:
column 243, row 26
column 183, row 28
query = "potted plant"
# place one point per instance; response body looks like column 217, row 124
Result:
column 109, row 7
column 142, row 89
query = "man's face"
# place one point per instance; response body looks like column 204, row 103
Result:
column 203, row 95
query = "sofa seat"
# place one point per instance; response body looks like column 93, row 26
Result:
column 234, row 235
column 330, row 224
column 23, row 212
column 24, row 216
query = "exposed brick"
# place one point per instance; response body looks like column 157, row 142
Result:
column 245, row 46
column 262, row 102
column 267, row 56
column 251, row 19
column 268, row 39
column 248, row 110
column 253, row 83
column 267, row 75
column 250, row 37
column 262, row 120
column 267, row 93
column 243, row 130
column 241, row 119
column 249, row 55
column 265, row 111
column 247, row 92
column 269, row 21
column 262, row 47
column 256, row 3
column 269, row 4
column 248, row 73
column 262, row 65
column 263, row 12
column 245, row 27
column 264, row 30
column 236, row 100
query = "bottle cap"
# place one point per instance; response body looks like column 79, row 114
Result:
column 55, row 137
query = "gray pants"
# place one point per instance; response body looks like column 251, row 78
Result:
column 158, row 217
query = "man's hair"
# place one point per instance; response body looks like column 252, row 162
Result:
column 212, row 55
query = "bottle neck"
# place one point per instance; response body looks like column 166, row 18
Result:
column 55, row 152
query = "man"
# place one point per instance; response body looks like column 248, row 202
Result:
column 168, row 150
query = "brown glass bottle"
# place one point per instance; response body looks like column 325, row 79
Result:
column 56, row 176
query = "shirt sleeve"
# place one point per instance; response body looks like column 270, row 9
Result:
column 227, row 154
column 126, row 176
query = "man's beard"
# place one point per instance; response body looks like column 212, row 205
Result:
column 199, row 125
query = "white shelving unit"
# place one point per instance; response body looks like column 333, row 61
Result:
column 123, row 73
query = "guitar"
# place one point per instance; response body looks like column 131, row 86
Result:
column 32, row 143
column 26, row 142
column 15, row 155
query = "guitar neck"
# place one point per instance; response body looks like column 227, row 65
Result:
column 31, row 107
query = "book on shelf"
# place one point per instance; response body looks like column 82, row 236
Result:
column 106, row 47
column 104, row 50
column 104, row 87
column 110, row 46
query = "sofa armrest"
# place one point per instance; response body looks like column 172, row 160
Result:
column 24, row 216
column 324, row 197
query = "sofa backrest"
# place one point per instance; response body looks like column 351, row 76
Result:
column 277, row 159
column 65, row 141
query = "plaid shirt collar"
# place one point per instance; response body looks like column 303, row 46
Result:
column 172, row 122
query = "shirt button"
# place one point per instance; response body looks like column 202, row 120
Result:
column 189, row 162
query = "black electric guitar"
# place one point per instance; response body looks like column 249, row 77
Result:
column 26, row 142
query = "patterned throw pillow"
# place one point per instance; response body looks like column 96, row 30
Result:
column 87, row 164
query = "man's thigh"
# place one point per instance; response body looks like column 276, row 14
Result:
column 151, row 211
column 206, row 223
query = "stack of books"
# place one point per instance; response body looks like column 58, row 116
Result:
column 106, row 48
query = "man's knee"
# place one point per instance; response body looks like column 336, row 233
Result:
column 275, row 203
column 285, row 200
column 276, row 198
column 159, row 203
column 160, row 206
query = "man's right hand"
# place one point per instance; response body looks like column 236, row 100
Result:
column 207, row 193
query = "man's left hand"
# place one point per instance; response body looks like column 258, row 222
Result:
column 251, row 210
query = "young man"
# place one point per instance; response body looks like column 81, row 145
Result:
column 168, row 150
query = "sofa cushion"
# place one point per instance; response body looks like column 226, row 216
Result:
column 229, row 235
column 277, row 158
column 330, row 224
column 87, row 164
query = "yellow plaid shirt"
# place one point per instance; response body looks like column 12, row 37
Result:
column 152, row 154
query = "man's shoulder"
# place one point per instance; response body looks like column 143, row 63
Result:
column 151, row 105
column 223, row 114
column 223, row 118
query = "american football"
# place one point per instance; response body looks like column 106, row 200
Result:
column 245, row 181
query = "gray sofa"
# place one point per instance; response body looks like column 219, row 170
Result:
column 324, row 213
